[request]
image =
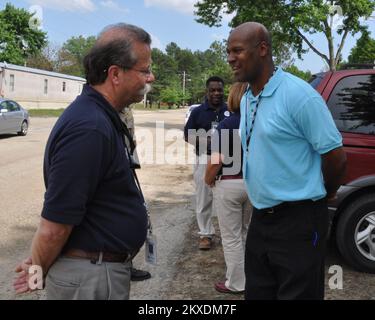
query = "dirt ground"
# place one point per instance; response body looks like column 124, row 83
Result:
column 199, row 270
column 182, row 271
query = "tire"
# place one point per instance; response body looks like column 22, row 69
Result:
column 355, row 233
column 24, row 128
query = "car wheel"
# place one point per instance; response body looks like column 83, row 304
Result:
column 355, row 233
column 24, row 128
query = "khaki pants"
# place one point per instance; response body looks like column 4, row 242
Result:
column 79, row 279
column 203, row 198
column 233, row 212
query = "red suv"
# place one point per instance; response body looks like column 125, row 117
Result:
column 350, row 96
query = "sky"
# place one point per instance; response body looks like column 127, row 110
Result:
column 166, row 20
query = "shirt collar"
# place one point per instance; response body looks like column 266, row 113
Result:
column 207, row 106
column 271, row 86
column 104, row 105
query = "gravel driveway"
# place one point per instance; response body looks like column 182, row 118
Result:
column 182, row 272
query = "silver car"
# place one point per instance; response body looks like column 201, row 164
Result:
column 13, row 118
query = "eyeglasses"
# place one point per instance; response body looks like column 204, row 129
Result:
column 146, row 72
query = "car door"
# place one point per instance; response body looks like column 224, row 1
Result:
column 16, row 116
column 11, row 117
column 4, row 123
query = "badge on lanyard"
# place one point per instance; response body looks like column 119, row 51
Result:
column 150, row 248
column 214, row 125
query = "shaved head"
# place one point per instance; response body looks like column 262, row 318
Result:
column 249, row 52
column 253, row 33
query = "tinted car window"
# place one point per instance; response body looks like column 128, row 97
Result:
column 7, row 105
column 316, row 79
column 13, row 106
column 352, row 104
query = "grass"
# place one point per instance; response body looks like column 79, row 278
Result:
column 139, row 106
column 45, row 112
column 58, row 112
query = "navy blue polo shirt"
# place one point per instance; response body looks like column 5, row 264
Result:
column 203, row 117
column 226, row 140
column 88, row 179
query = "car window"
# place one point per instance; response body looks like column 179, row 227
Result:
column 7, row 105
column 352, row 104
column 316, row 79
column 14, row 106
column 10, row 106
column 3, row 105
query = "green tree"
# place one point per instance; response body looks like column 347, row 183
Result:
column 181, row 74
column 364, row 50
column 172, row 95
column 70, row 57
column 18, row 40
column 217, row 55
column 292, row 21
column 305, row 75
column 46, row 59
column 165, row 70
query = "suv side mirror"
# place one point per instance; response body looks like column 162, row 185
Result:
column 3, row 110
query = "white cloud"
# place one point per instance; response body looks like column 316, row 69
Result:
column 66, row 5
column 113, row 6
column 184, row 6
column 156, row 43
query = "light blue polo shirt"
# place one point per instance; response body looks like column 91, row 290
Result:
column 293, row 127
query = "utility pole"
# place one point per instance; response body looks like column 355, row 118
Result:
column 183, row 88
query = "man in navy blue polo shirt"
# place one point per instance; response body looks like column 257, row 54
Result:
column 94, row 220
column 202, row 122
column 293, row 163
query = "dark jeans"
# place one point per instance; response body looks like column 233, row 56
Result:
column 285, row 251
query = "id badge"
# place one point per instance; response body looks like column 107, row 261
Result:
column 150, row 249
column 214, row 125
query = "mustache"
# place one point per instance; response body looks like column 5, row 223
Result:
column 147, row 88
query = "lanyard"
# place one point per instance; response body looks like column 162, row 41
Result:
column 217, row 116
column 149, row 225
column 250, row 131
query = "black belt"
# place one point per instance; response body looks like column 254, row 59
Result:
column 284, row 205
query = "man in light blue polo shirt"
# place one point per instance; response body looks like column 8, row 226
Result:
column 293, row 162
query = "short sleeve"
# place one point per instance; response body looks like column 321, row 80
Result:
column 317, row 125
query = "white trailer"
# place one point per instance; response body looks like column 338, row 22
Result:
column 38, row 89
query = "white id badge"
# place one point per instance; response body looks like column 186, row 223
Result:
column 214, row 125
column 150, row 249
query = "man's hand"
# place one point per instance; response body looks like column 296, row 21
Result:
column 21, row 283
column 213, row 167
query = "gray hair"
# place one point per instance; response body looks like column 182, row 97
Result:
column 113, row 47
